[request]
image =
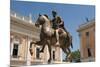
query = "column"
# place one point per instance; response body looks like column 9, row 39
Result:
column 11, row 43
column 28, row 53
column 52, row 49
column 46, row 55
column 60, row 55
column 81, row 45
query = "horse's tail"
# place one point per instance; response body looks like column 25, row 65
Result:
column 30, row 49
column 71, row 43
column 70, row 39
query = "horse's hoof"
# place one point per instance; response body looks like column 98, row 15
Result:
column 31, row 51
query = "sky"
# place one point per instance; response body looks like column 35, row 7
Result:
column 73, row 15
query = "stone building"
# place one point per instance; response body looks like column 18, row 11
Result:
column 22, row 32
column 87, row 40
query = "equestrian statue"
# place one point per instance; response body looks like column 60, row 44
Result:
column 53, row 33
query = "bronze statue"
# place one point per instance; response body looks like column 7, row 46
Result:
column 48, row 36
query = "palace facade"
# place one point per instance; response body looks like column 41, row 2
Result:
column 87, row 41
column 22, row 32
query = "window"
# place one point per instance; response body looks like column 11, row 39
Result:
column 87, row 39
column 37, row 53
column 89, row 52
column 87, row 34
column 53, row 55
column 15, row 51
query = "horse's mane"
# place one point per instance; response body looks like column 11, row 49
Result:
column 46, row 16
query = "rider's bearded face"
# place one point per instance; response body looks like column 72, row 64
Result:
column 54, row 15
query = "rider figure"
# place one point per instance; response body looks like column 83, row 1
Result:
column 55, row 25
column 58, row 24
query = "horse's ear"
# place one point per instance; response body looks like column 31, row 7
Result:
column 39, row 14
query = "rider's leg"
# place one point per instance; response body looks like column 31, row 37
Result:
column 64, row 33
column 57, row 37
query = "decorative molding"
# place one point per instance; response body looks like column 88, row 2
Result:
column 86, row 25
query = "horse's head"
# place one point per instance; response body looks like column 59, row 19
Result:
column 40, row 20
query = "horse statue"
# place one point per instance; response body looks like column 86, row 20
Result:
column 48, row 37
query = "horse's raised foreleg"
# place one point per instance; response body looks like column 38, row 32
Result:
column 42, row 50
column 38, row 42
column 44, row 43
column 30, row 49
column 35, row 43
